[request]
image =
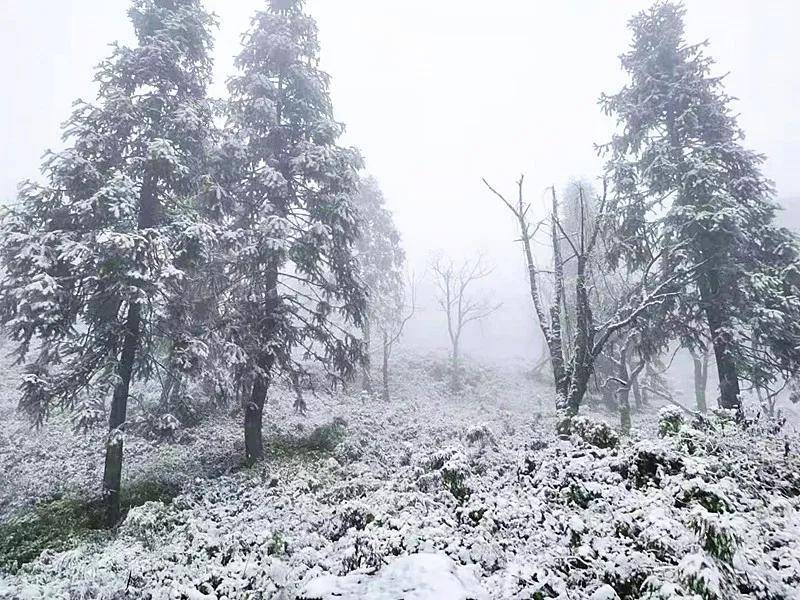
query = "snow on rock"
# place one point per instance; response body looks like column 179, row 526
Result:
column 423, row 576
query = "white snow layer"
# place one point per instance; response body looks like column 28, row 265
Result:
column 423, row 576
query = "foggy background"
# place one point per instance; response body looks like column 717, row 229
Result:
column 437, row 95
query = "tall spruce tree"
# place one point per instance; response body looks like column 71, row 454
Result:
column 294, row 279
column 682, row 176
column 93, row 253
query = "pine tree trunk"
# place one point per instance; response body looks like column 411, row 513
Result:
column 726, row 366
column 385, row 369
column 254, row 409
column 710, row 290
column 112, row 473
column 253, row 416
column 176, row 398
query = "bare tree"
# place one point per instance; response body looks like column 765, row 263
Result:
column 391, row 325
column 460, row 305
column 646, row 289
column 625, row 377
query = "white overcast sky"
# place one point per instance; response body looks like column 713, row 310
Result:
column 437, row 94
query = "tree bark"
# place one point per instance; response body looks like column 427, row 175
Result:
column 253, row 415
column 700, row 379
column 385, row 367
column 112, row 473
column 583, row 350
column 456, row 381
column 254, row 409
column 726, row 366
column 623, row 392
column 366, row 379
column 637, row 394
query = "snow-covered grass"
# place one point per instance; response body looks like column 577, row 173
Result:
column 479, row 486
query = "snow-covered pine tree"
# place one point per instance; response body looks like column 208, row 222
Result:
column 382, row 259
column 91, row 253
column 294, row 278
column 682, row 176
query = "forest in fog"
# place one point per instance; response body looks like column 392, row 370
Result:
column 228, row 371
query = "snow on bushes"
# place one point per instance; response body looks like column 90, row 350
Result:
column 692, row 515
column 421, row 576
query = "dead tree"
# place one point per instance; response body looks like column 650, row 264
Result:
column 626, row 377
column 391, row 326
column 460, row 306
column 646, row 288
column 549, row 318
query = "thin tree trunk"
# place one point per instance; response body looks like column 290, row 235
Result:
column 562, row 381
column 637, row 394
column 385, row 369
column 170, row 378
column 623, row 392
column 112, row 473
column 456, row 382
column 366, row 380
column 700, row 379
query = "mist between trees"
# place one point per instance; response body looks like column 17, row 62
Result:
column 218, row 248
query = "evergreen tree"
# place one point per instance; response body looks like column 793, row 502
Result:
column 381, row 258
column 293, row 273
column 93, row 254
column 683, row 177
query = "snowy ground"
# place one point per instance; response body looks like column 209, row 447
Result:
column 432, row 497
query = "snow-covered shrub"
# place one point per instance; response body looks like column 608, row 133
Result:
column 707, row 495
column 455, row 473
column 702, row 575
column 480, row 435
column 147, row 522
column 596, row 433
column 717, row 533
column 646, row 463
column 349, row 450
column 364, row 554
column 604, row 592
column 670, row 421
column 350, row 515
column 277, row 545
column 323, row 439
column 437, row 459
